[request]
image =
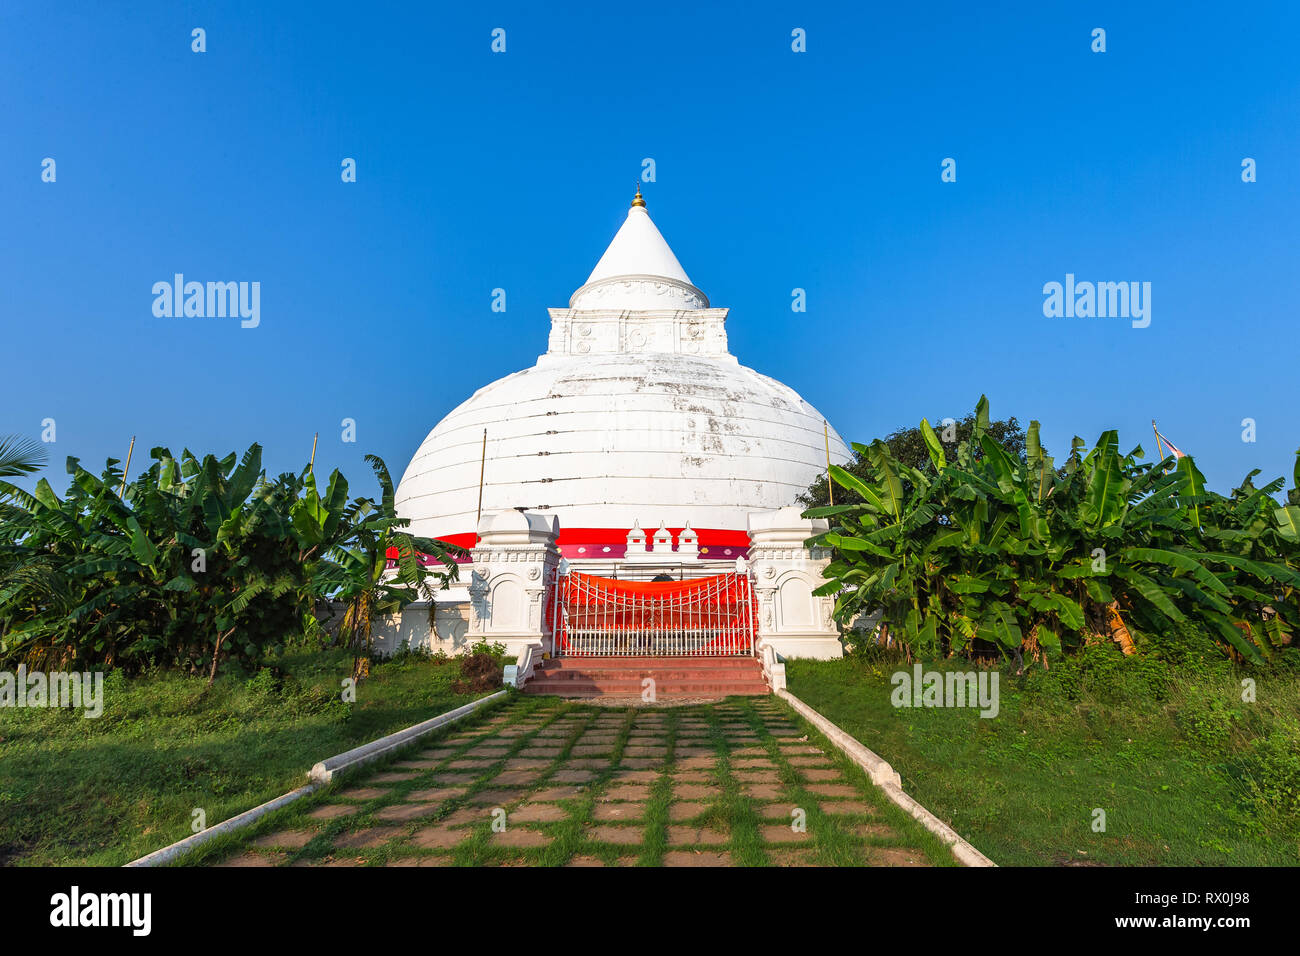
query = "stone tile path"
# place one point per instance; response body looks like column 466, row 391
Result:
column 547, row 782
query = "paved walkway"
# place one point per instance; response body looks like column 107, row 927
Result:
column 548, row 782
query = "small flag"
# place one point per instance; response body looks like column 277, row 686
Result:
column 1173, row 449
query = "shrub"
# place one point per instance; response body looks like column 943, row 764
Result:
column 480, row 671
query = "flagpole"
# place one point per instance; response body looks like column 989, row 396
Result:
column 482, row 464
column 126, row 467
column 1159, row 445
column 830, row 485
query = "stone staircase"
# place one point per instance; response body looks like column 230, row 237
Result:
column 673, row 676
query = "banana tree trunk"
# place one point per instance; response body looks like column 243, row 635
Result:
column 361, row 637
column 216, row 655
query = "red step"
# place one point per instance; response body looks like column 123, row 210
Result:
column 673, row 677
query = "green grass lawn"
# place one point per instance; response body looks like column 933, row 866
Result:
column 1186, row 772
column 108, row 790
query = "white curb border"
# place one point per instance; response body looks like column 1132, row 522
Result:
column 181, row 847
column 887, row 779
column 326, row 770
column 321, row 775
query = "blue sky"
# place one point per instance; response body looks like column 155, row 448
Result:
column 774, row 170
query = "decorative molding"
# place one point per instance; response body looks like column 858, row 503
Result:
column 688, row 331
column 606, row 292
column 761, row 553
column 507, row 554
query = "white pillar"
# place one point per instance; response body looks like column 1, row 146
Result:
column 663, row 541
column 636, row 544
column 514, row 564
column 791, row 620
column 688, row 544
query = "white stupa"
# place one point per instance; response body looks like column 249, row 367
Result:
column 636, row 417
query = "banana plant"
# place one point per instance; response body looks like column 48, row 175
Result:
column 191, row 565
column 378, row 568
column 987, row 549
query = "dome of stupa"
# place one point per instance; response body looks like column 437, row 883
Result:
column 636, row 415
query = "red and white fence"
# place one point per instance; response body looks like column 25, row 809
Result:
column 595, row 616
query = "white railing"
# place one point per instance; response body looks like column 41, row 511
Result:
column 595, row 616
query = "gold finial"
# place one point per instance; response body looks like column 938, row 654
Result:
column 638, row 201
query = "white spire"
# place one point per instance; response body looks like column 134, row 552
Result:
column 638, row 271
column 638, row 249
